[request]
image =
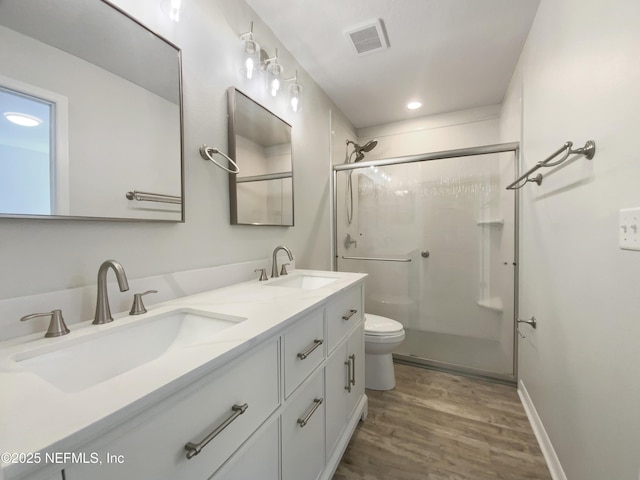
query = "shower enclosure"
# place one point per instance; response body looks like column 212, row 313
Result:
column 437, row 235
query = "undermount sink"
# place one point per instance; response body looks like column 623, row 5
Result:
column 306, row 282
column 86, row 361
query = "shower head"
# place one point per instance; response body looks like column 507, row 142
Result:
column 367, row 147
column 360, row 150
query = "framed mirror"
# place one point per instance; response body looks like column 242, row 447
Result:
column 90, row 114
column 260, row 143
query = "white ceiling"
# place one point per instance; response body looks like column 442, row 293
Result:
column 449, row 54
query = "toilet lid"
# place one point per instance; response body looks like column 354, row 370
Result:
column 377, row 325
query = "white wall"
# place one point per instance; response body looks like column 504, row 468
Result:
column 46, row 255
column 579, row 79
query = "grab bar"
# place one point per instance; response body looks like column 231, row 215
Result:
column 589, row 150
column 152, row 197
column 378, row 259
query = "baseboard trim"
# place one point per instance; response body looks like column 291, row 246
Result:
column 553, row 462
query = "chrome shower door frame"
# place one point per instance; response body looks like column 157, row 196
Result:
column 513, row 147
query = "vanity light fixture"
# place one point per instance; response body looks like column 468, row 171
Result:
column 414, row 105
column 274, row 74
column 172, row 8
column 22, row 119
column 295, row 94
column 251, row 54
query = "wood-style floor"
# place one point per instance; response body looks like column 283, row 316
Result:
column 438, row 426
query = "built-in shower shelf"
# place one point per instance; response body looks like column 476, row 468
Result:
column 499, row 223
column 493, row 303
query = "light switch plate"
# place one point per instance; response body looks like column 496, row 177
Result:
column 629, row 228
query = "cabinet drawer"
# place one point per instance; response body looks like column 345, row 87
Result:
column 303, row 347
column 343, row 313
column 303, row 445
column 154, row 448
column 258, row 459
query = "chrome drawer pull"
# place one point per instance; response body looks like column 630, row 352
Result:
column 194, row 449
column 316, row 403
column 307, row 352
column 348, row 364
column 351, row 314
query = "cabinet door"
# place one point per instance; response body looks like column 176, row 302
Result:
column 152, row 445
column 344, row 376
column 303, row 431
column 355, row 348
column 337, row 383
column 259, row 459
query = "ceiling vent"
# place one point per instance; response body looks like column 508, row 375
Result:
column 367, row 37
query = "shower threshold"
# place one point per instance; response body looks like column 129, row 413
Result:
column 416, row 361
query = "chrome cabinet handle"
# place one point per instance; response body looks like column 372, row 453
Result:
column 353, row 367
column 316, row 403
column 194, row 449
column 307, row 352
column 351, row 372
column 351, row 314
column 348, row 364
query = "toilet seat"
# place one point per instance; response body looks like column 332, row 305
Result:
column 376, row 325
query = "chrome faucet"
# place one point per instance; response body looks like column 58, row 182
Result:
column 274, row 265
column 103, row 312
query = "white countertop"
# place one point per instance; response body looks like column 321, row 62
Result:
column 35, row 416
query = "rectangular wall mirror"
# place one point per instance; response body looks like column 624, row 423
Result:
column 90, row 114
column 260, row 143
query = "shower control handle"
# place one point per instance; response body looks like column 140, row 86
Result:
column 425, row 253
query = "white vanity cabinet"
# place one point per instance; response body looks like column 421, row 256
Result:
column 152, row 445
column 284, row 409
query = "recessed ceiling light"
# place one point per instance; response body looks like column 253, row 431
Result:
column 414, row 105
column 23, row 119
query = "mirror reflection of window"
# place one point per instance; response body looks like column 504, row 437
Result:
column 27, row 164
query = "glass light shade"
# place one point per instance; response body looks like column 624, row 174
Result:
column 295, row 97
column 274, row 77
column 173, row 8
column 251, row 55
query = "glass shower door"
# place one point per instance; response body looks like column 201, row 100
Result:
column 437, row 239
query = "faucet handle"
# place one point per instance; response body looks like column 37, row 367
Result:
column 138, row 307
column 57, row 327
column 263, row 274
column 283, row 270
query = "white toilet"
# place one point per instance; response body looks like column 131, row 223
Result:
column 382, row 336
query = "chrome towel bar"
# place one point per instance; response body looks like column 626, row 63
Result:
column 378, row 259
column 152, row 197
column 589, row 150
